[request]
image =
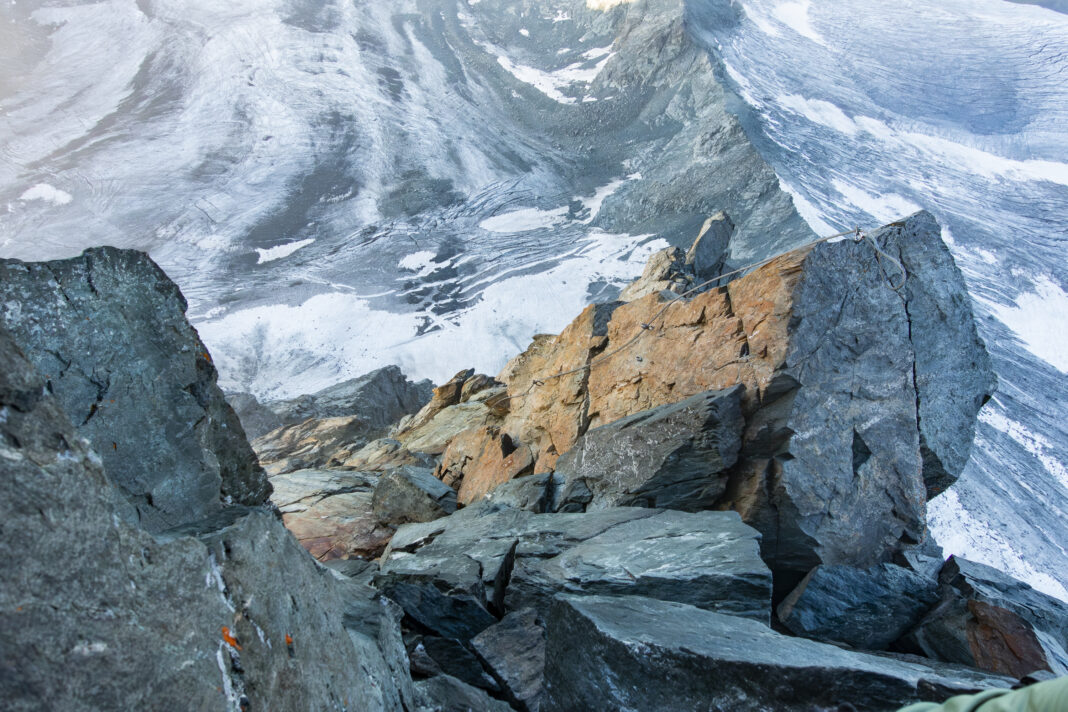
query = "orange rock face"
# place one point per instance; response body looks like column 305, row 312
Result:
column 480, row 459
column 716, row 339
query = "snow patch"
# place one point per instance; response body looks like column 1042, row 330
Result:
column 605, row 4
column 47, row 193
column 961, row 533
column 277, row 253
column 524, row 220
column 417, row 261
column 1040, row 321
column 884, row 208
column 280, row 351
column 821, row 112
column 1034, row 443
column 795, row 16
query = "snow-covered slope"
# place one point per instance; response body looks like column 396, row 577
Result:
column 869, row 111
column 338, row 186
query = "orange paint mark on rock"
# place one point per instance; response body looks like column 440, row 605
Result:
column 230, row 639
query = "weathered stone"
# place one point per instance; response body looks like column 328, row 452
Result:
column 636, row 653
column 708, row 559
column 867, row 609
column 832, row 463
column 926, row 558
column 443, row 693
column 706, row 254
column 477, row 384
column 445, row 395
column 310, row 444
column 514, row 653
column 989, row 620
column 453, row 658
column 945, row 340
column 533, row 493
column 443, row 595
column 550, row 417
column 433, row 436
column 664, row 272
column 256, row 418
column 107, row 331
column 412, row 494
column 479, row 460
column 380, row 398
column 671, row 457
column 98, row 614
column 385, row 454
column 331, row 513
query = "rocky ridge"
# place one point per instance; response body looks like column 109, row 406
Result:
column 740, row 489
column 761, row 454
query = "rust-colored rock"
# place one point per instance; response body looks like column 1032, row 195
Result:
column 550, row 417
column 480, row 459
column 445, row 395
column 1002, row 642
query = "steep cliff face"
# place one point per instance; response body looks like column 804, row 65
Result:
column 861, row 388
column 140, row 579
column 108, row 332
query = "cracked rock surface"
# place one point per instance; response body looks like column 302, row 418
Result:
column 108, row 334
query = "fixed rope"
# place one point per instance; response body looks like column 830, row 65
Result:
column 857, row 234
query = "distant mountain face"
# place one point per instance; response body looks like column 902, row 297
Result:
column 340, row 186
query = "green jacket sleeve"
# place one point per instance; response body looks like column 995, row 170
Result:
column 1049, row 696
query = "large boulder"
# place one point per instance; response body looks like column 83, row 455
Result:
column 310, row 444
column 514, row 653
column 95, row 613
column 108, row 334
column 708, row 559
column 411, row 494
column 607, row 652
column 990, row 620
column 331, row 513
column 863, row 608
column 671, row 457
column 860, row 393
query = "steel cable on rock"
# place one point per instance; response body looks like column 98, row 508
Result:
column 858, row 236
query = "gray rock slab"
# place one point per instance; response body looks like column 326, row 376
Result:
column 636, row 653
column 990, row 620
column 97, row 614
column 443, row 693
column 863, row 608
column 514, row 653
column 380, row 398
column 670, row 457
column 107, row 331
column 704, row 558
column 954, row 377
column 412, row 494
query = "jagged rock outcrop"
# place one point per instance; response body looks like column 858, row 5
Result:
column 514, row 653
column 670, row 457
column 708, row 559
column 852, row 420
column 989, row 620
column 227, row 613
column 608, row 652
column 332, row 425
column 863, row 608
column 108, row 334
column 411, row 494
